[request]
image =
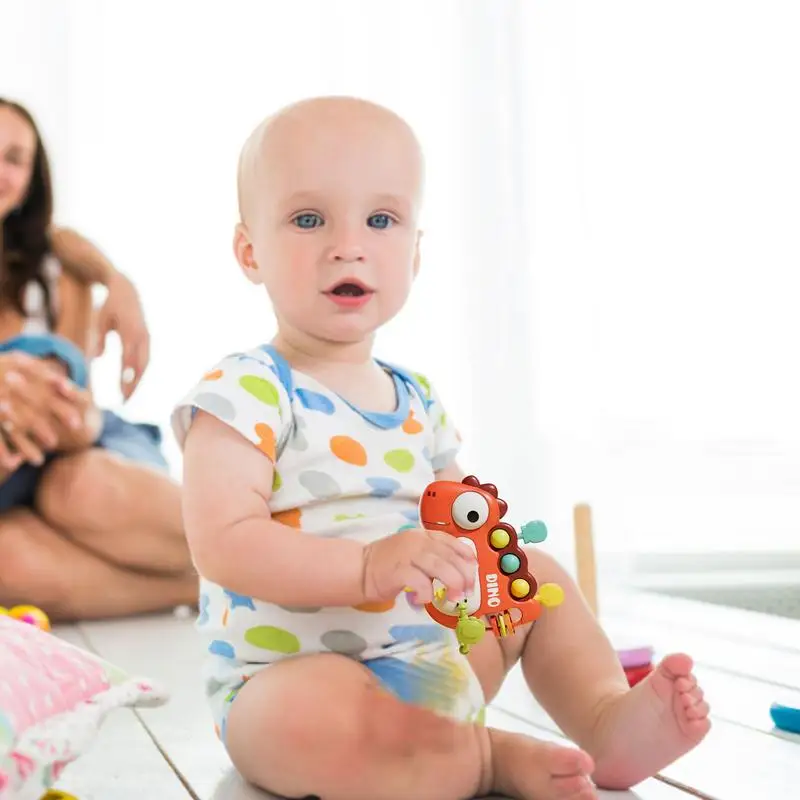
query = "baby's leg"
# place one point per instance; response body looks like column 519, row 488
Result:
column 322, row 725
column 573, row 670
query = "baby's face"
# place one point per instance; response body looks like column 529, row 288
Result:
column 331, row 225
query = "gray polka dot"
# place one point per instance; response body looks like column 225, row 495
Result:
column 319, row 484
column 216, row 404
column 302, row 609
column 345, row 642
column 298, row 439
column 441, row 460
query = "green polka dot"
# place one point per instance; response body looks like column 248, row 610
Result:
column 400, row 460
column 277, row 481
column 261, row 389
column 480, row 717
column 345, row 517
column 268, row 637
column 443, row 420
column 424, row 383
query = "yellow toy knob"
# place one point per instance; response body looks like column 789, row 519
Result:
column 550, row 595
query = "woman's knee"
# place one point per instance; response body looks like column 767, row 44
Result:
column 29, row 569
column 79, row 488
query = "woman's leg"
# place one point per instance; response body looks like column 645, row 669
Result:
column 127, row 513
column 40, row 567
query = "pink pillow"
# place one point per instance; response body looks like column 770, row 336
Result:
column 53, row 699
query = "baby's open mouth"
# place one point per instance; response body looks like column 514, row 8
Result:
column 348, row 290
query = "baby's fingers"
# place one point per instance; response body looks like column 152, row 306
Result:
column 420, row 584
column 453, row 571
column 461, row 549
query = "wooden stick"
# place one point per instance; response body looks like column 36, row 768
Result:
column 584, row 555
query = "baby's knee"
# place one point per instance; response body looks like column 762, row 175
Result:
column 350, row 724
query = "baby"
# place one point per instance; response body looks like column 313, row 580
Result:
column 305, row 460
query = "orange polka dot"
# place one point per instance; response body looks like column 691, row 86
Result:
column 266, row 443
column 412, row 425
column 376, row 608
column 214, row 375
column 216, row 730
column 349, row 450
column 224, row 617
column 290, row 517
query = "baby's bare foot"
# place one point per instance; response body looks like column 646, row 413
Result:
column 528, row 769
column 652, row 725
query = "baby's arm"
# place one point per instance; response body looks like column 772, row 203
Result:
column 236, row 543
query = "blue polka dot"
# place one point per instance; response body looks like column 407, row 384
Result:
column 240, row 600
column 220, row 648
column 407, row 527
column 383, row 487
column 411, row 514
column 314, row 401
column 418, row 633
column 202, row 617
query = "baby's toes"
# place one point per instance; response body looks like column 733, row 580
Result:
column 685, row 684
column 691, row 697
column 575, row 787
column 698, row 710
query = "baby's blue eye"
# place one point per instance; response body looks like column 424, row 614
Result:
column 307, row 221
column 381, row 221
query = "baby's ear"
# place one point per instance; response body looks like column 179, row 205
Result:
column 417, row 254
column 243, row 250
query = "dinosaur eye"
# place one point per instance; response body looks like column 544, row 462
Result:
column 470, row 511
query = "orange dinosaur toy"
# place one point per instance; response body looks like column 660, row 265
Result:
column 506, row 594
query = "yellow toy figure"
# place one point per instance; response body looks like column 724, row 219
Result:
column 30, row 614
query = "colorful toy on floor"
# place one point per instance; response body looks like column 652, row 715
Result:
column 785, row 717
column 30, row 614
column 506, row 594
column 637, row 663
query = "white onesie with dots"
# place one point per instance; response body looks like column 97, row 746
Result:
column 339, row 472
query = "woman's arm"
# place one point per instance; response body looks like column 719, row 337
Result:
column 122, row 311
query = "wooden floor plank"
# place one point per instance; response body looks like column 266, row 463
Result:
column 123, row 762
column 183, row 728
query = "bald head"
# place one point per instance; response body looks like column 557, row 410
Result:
column 324, row 139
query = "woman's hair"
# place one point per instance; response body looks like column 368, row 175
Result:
column 26, row 230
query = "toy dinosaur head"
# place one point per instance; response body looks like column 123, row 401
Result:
column 461, row 508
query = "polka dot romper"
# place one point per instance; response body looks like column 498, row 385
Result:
column 339, row 472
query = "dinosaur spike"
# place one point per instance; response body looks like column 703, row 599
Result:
column 471, row 480
column 503, row 507
column 490, row 488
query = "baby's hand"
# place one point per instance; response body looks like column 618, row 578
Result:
column 412, row 559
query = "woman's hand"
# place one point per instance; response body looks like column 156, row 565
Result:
column 37, row 403
column 122, row 312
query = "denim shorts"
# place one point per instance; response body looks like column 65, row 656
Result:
column 137, row 442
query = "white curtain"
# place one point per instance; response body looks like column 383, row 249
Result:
column 608, row 286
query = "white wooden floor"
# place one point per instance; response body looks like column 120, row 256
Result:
column 745, row 661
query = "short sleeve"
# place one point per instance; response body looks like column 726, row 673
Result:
column 245, row 392
column 446, row 438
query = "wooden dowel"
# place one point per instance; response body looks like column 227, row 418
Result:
column 584, row 555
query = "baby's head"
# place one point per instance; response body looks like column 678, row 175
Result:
column 329, row 198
